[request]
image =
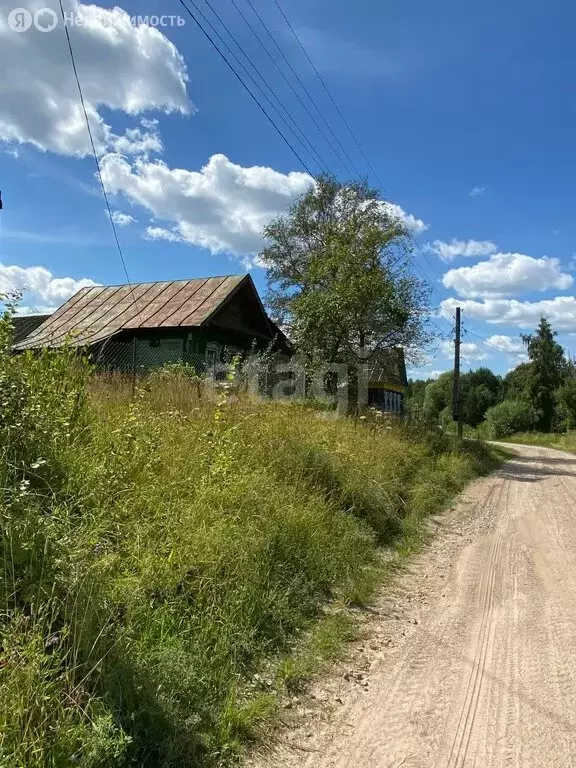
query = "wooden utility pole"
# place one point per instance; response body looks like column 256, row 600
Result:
column 456, row 410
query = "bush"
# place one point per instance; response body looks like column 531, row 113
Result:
column 508, row 417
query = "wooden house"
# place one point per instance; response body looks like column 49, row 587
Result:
column 202, row 321
column 387, row 381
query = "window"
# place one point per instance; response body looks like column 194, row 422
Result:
column 212, row 354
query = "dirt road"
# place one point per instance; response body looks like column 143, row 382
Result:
column 472, row 661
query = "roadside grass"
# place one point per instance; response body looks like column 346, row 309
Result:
column 562, row 442
column 172, row 564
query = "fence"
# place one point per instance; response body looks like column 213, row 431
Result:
column 341, row 387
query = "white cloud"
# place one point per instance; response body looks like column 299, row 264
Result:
column 412, row 224
column 456, row 248
column 468, row 350
column 506, row 343
column 160, row 233
column 37, row 309
column 506, row 274
column 39, row 286
column 139, row 141
column 416, row 373
column 560, row 311
column 222, row 207
column 477, row 191
column 122, row 67
column 122, row 219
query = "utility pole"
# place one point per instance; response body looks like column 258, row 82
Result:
column 456, row 410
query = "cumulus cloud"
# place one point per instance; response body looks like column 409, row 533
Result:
column 417, row 373
column 560, row 311
column 122, row 67
column 39, row 287
column 412, row 224
column 468, row 350
column 457, row 248
column 506, row 343
column 477, row 191
column 122, row 219
column 222, row 207
column 506, row 274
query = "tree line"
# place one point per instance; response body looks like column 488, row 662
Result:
column 538, row 395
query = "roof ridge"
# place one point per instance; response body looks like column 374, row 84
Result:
column 175, row 280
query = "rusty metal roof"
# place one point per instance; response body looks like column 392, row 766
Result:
column 97, row 313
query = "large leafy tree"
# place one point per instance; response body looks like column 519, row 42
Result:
column 517, row 382
column 339, row 277
column 547, row 371
column 479, row 391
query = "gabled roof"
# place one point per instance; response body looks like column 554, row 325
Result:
column 97, row 313
column 388, row 367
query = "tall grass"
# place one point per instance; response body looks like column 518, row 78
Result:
column 562, row 442
column 158, row 555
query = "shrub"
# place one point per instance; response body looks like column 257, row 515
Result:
column 508, row 417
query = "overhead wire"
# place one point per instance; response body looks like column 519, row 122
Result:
column 348, row 163
column 519, row 355
column 430, row 278
column 327, row 90
column 283, row 74
column 95, row 154
column 295, row 128
column 239, row 78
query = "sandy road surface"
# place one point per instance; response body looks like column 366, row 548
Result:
column 471, row 662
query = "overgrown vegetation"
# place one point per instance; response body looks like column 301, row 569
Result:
column 161, row 558
column 538, row 395
column 550, row 440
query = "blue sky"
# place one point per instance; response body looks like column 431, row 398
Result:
column 467, row 114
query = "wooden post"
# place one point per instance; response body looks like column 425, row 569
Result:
column 456, row 409
column 133, row 368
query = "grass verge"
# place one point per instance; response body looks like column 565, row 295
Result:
column 158, row 555
column 566, row 442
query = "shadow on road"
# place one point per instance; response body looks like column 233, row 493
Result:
column 521, row 468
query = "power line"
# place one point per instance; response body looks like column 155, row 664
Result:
column 348, row 127
column 519, row 355
column 239, row 78
column 279, row 69
column 294, row 128
column 303, row 86
column 325, row 87
column 95, row 154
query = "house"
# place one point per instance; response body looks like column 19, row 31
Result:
column 387, row 381
column 202, row 321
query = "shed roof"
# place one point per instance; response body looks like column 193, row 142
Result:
column 97, row 313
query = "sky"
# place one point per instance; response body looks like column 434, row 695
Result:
column 463, row 115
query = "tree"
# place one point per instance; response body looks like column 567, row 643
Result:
column 438, row 396
column 479, row 390
column 517, row 382
column 547, row 371
column 338, row 275
column 510, row 417
column 566, row 396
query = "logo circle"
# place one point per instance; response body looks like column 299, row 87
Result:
column 20, row 19
column 45, row 20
